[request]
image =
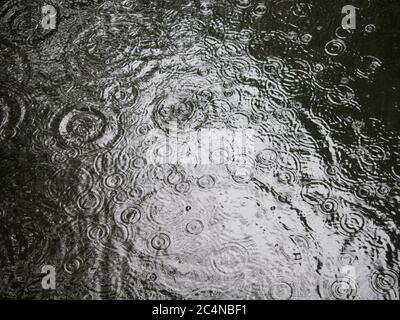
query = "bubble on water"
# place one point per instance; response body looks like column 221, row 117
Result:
column 342, row 95
column 139, row 162
column 183, row 187
column 122, row 93
column 115, row 181
column 329, row 206
column 369, row 28
column 342, row 33
column 260, row 9
column 335, row 47
column 109, row 44
column 72, row 265
column 306, row 38
column 352, row 223
column 286, row 177
column 344, row 289
column 206, row 182
column 301, row 10
column 243, row 3
column 267, row 158
column 220, row 109
column 128, row 214
column 365, row 191
column 98, row 232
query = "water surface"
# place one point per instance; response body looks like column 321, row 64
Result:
column 311, row 213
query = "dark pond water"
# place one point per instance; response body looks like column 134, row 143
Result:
column 306, row 207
